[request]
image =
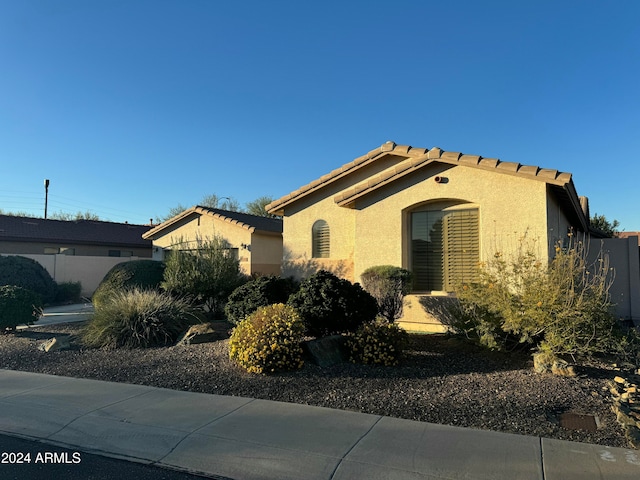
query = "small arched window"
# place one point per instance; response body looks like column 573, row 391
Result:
column 320, row 239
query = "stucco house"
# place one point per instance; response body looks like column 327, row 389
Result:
column 26, row 235
column 433, row 212
column 255, row 240
column 74, row 250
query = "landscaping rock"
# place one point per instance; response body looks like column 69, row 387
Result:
column 624, row 393
column 200, row 333
column 546, row 363
column 55, row 344
column 326, row 351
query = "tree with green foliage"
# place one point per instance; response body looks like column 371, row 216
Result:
column 60, row 215
column 209, row 201
column 15, row 214
column 206, row 270
column 88, row 215
column 257, row 207
column 600, row 222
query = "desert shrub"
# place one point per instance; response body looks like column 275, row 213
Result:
column 330, row 305
column 561, row 308
column 268, row 340
column 388, row 285
column 205, row 271
column 18, row 306
column 379, row 342
column 135, row 318
column 257, row 293
column 68, row 292
column 141, row 274
column 27, row 273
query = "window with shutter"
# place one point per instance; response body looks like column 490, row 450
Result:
column 461, row 246
column 320, row 239
column 444, row 248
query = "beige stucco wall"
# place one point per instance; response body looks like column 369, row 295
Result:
column 376, row 231
column 266, row 253
column 509, row 207
column 259, row 253
column 88, row 270
column 297, row 225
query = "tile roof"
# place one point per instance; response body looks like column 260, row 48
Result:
column 250, row 222
column 414, row 158
column 85, row 232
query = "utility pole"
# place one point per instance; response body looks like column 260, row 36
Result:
column 46, row 196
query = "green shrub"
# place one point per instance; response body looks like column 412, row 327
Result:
column 329, row 305
column 205, row 270
column 27, row 273
column 18, row 306
column 141, row 274
column 138, row 318
column 68, row 292
column 257, row 293
column 388, row 285
column 378, row 342
column 268, row 340
column 560, row 308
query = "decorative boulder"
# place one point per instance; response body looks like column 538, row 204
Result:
column 549, row 363
column 326, row 351
column 200, row 333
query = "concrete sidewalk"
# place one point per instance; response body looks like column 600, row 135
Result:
column 245, row 439
column 77, row 312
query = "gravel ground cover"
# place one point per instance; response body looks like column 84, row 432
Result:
column 440, row 380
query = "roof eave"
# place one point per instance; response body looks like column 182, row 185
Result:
column 389, row 148
column 151, row 234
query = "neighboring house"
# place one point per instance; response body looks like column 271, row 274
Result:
column 255, row 240
column 76, row 250
column 433, row 212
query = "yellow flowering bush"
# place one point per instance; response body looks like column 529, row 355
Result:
column 268, row 340
column 378, row 342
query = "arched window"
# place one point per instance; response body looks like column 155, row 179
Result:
column 445, row 247
column 320, row 239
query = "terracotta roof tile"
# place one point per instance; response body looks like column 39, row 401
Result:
column 435, row 152
column 489, row 162
column 244, row 220
column 453, row 156
column 548, row 174
column 529, row 170
column 508, row 166
column 415, row 158
column 402, row 149
column 469, row 160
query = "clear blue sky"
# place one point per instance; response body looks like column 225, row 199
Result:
column 131, row 107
